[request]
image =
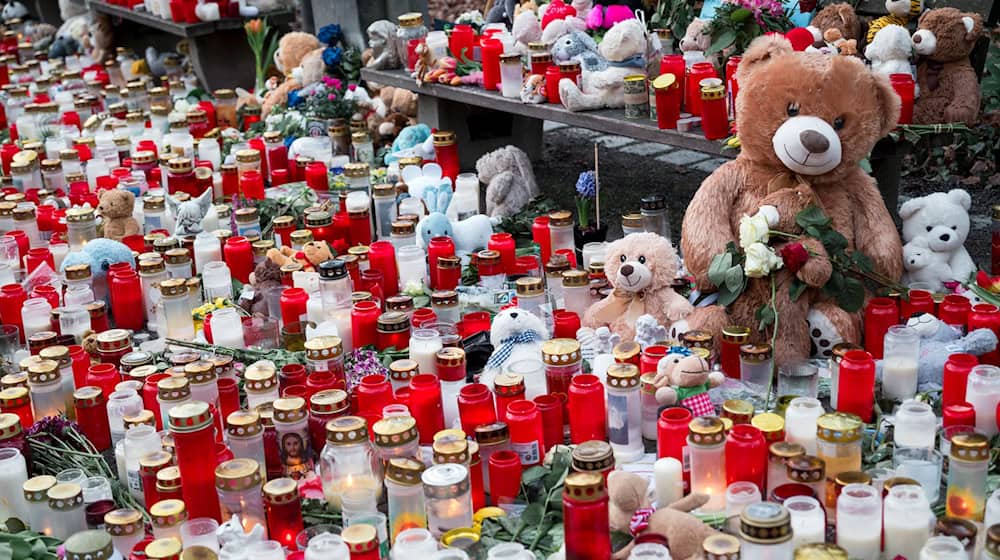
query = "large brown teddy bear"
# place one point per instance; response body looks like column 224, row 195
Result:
column 803, row 118
column 641, row 267
column 839, row 16
column 300, row 58
column 949, row 91
column 115, row 208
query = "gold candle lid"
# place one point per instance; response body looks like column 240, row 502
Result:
column 164, row 549
column 168, row 479
column 585, row 486
column 561, row 218
column 735, row 334
column 529, row 286
column 451, row 449
column 124, row 521
column 281, row 491
column 152, row 462
column 43, row 372
column 88, row 545
column 168, row 513
column 755, row 352
column 404, row 470
column 495, row 432
column 237, row 475
column 243, row 423
column 36, row 488
column 740, row 411
column 765, row 523
column 770, row 424
column 561, row 351
column 697, row 339
column 852, row 477
column 623, row 376
column 806, row 469
column 508, row 385
column 839, row 427
column 289, row 409
column 360, row 538
column 394, row 431
column 190, row 417
column 993, row 532
column 626, row 351
column 328, row 401
column 783, row 450
column 403, row 370
column 593, row 456
column 141, row 418
column 260, row 377
column 706, row 430
column 721, row 547
column 820, row 551
column 969, row 446
column 346, row 430
column 173, row 389
column 13, row 397
column 65, row 497
column 198, row 552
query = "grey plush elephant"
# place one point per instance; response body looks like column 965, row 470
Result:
column 510, row 181
column 502, row 12
column 382, row 41
column 577, row 45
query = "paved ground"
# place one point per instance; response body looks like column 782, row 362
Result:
column 631, row 169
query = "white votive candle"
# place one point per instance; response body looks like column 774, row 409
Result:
column 13, row 475
column 908, row 520
column 800, row 422
column 859, row 521
column 983, row 393
column 668, row 479
column 899, row 365
column 808, row 520
column 915, row 425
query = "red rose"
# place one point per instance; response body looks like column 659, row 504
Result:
column 794, row 255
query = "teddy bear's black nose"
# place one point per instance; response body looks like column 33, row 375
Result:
column 513, row 315
column 813, row 141
column 945, row 236
column 916, row 38
column 627, row 269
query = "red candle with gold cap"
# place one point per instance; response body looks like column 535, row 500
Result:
column 361, row 541
column 192, row 426
column 91, row 407
column 284, row 510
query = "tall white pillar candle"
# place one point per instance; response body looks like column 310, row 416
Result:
column 668, row 479
column 800, row 422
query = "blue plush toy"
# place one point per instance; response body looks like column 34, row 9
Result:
column 470, row 234
column 100, row 254
column 414, row 140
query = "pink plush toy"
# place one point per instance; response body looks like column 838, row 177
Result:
column 603, row 17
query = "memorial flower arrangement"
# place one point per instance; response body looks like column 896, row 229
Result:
column 586, row 192
column 263, row 44
column 737, row 22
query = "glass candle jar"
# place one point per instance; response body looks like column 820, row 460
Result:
column 756, row 364
column 907, row 520
column 800, row 422
column 167, row 516
column 585, row 517
column 967, row 467
column 149, row 465
column 35, row 316
column 126, row 528
column 765, row 532
column 956, row 377
column 511, row 75
column 654, row 215
column 284, row 510
column 81, row 227
column 588, row 418
column 238, row 483
column 672, row 432
column 706, row 452
column 838, row 444
column 475, row 407
column 193, row 429
column 576, row 291
column 859, row 521
column 423, row 349
column 246, row 436
column 983, row 393
column 901, row 349
column 177, row 309
column 624, row 412
column 915, row 425
column 808, row 520
column 348, row 461
column 880, row 314
column 530, row 294
column 746, row 456
column 447, row 496
column 172, row 392
column 856, row 384
column 139, row 441
column 563, row 360
column 393, row 331
column 292, row 425
column 405, row 496
column 396, row 436
column 66, row 510
column 48, row 396
column 561, row 230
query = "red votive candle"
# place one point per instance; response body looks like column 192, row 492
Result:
column 746, row 455
column 425, row 406
column 954, row 310
column 437, row 247
column 372, row 394
column 541, row 236
column 986, row 316
column 527, row 437
column 587, row 411
column 585, row 517
column 316, row 176
column 364, row 318
column 880, row 314
column 671, row 437
column 918, row 302
column 382, row 256
column 472, row 323
column 460, row 41
column 714, row 117
column 503, row 243
column 668, row 94
column 904, row 87
column 491, row 50
column 15, row 400
column 475, row 407
column 505, row 476
column 551, row 408
column 193, row 430
column 856, row 393
column 695, row 74
column 360, row 227
column 650, row 357
column 149, row 465
column 12, row 298
column 252, row 184
column 956, row 374
column 150, row 390
column 422, row 316
column 229, row 396
column 239, row 257
column 733, row 337
column 507, row 389
column 446, row 153
column 105, row 377
column 291, row 374
column 959, row 414
column 284, row 510
column 293, row 305
column 566, row 323
column 81, row 363
column 127, row 300
column 37, row 256
column 230, row 180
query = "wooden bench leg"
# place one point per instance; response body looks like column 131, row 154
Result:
column 480, row 130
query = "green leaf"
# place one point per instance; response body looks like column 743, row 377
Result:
column 796, row 289
column 723, row 41
column 718, row 267
column 533, row 475
column 734, row 279
column 833, row 242
column 619, row 540
column 740, row 14
column 532, row 515
column 862, row 261
column 852, row 296
column 561, row 462
column 727, row 297
column 812, row 216
column 765, row 315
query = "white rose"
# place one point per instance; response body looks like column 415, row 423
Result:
column 760, row 261
column 754, row 229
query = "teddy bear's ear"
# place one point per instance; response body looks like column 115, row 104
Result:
column 960, row 197
column 761, row 50
column 973, row 25
column 911, row 207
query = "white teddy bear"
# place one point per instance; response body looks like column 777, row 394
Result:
column 516, row 335
column 890, row 51
column 623, row 48
column 924, row 265
column 943, row 220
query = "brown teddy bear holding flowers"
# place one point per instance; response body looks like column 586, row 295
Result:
column 806, row 120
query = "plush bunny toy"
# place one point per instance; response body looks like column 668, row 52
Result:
column 470, row 234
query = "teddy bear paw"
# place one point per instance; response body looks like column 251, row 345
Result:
column 822, row 334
